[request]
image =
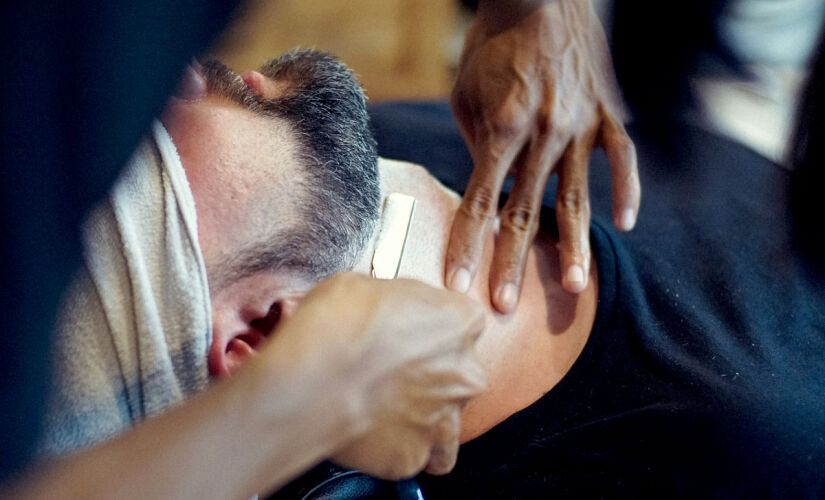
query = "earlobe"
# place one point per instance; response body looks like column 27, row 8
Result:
column 237, row 352
column 226, row 357
column 234, row 342
column 248, row 312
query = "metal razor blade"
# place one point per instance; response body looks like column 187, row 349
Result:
column 396, row 219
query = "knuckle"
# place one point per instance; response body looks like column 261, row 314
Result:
column 506, row 124
column 442, row 460
column 446, row 430
column 574, row 202
column 480, row 204
column 476, row 382
column 504, row 131
column 519, row 217
column 471, row 378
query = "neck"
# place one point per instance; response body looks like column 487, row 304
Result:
column 525, row 353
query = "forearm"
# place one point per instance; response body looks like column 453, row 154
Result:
column 251, row 433
column 369, row 368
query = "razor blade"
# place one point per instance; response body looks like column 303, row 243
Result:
column 396, row 219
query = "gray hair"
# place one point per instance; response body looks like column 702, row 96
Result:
column 326, row 108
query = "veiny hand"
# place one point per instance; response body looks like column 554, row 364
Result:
column 531, row 101
column 403, row 356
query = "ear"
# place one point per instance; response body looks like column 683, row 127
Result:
column 262, row 85
column 230, row 349
column 192, row 85
column 242, row 323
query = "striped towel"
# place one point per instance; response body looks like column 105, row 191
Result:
column 135, row 325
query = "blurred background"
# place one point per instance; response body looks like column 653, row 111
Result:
column 409, row 49
column 400, row 49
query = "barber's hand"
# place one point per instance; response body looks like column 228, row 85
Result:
column 534, row 100
column 404, row 352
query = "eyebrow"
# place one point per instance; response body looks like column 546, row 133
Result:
column 282, row 251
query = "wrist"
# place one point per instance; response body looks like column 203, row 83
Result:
column 291, row 386
column 300, row 409
column 500, row 15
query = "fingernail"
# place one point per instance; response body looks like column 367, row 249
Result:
column 508, row 296
column 627, row 220
column 575, row 274
column 460, row 280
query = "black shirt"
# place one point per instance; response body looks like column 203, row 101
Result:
column 705, row 370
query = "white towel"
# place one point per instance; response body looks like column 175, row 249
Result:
column 135, row 325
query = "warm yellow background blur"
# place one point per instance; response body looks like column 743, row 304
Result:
column 398, row 48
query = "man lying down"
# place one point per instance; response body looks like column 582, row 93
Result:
column 687, row 373
column 225, row 216
column 577, row 408
column 626, row 427
column 703, row 373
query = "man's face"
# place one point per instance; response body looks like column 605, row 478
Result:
column 286, row 191
column 244, row 174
